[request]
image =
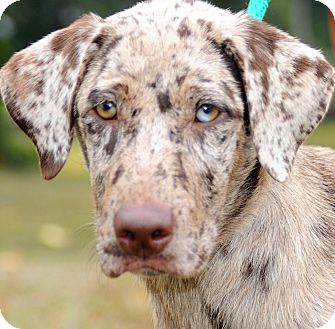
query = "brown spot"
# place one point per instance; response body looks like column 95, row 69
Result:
column 183, row 30
column 47, row 125
column 266, row 86
column 180, row 80
column 131, row 131
column 65, row 41
column 258, row 270
column 99, row 186
column 161, row 172
column 119, row 172
column 181, row 171
column 286, row 159
column 26, row 126
column 39, row 87
column 248, row 270
column 94, row 97
column 287, row 116
column 209, row 26
column 322, row 69
column 14, row 64
column 99, row 40
column 113, row 250
column 136, row 112
column 201, row 22
column 322, row 108
column 209, row 182
column 229, row 92
column 152, row 85
column 164, row 103
column 68, row 40
column 209, row 178
column 121, row 88
column 94, row 128
column 301, row 65
column 246, row 190
column 24, row 82
column 114, row 42
column 50, row 166
column 263, row 274
column 213, row 316
column 262, row 42
column 58, row 42
column 110, row 146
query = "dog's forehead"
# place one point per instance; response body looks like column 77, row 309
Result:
column 171, row 23
column 162, row 42
column 161, row 17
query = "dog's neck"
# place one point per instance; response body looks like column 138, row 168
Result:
column 265, row 255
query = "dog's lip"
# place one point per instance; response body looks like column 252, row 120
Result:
column 154, row 266
column 158, row 264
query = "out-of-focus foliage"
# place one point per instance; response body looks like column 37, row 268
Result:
column 26, row 21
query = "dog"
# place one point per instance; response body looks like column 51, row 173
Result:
column 191, row 120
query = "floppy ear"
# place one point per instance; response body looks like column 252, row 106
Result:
column 288, row 87
column 38, row 86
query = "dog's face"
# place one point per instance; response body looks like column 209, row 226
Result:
column 155, row 150
column 172, row 104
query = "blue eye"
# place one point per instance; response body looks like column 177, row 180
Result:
column 207, row 113
column 106, row 110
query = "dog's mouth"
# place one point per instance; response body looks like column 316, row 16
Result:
column 148, row 271
column 179, row 260
column 116, row 266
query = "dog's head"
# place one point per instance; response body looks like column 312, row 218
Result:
column 173, row 103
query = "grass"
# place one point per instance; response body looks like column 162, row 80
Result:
column 49, row 275
column 323, row 135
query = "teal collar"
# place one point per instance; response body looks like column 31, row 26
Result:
column 257, row 8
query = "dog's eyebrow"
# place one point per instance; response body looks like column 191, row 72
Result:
column 98, row 96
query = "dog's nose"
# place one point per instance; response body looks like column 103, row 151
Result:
column 143, row 230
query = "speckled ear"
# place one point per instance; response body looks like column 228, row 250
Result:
column 288, row 87
column 38, row 86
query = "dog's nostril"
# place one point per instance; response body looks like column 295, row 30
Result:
column 159, row 234
column 127, row 234
column 156, row 234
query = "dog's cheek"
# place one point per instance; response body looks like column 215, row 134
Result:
column 213, row 153
column 207, row 164
column 98, row 141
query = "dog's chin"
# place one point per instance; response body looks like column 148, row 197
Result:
column 153, row 267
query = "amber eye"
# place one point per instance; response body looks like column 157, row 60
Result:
column 106, row 110
column 207, row 113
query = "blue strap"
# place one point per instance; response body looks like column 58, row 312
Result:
column 257, row 8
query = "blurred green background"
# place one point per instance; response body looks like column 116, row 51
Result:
column 49, row 275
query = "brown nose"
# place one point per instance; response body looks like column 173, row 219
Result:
column 143, row 230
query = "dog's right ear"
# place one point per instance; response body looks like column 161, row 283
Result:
column 38, row 85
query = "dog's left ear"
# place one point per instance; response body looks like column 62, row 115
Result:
column 288, row 87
